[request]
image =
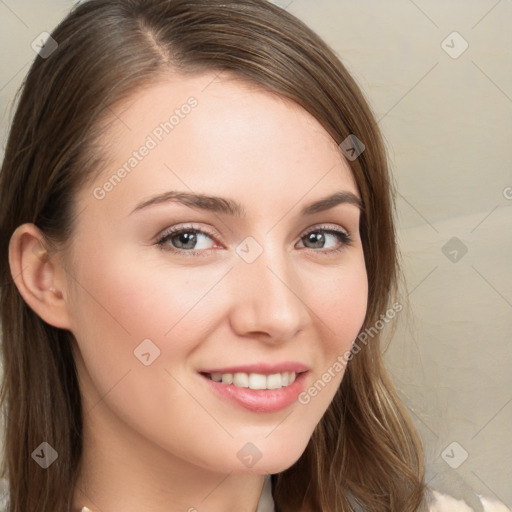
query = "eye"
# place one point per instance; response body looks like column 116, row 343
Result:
column 183, row 239
column 320, row 235
column 194, row 242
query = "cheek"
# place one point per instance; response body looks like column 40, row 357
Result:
column 123, row 310
column 134, row 300
column 143, row 318
column 344, row 308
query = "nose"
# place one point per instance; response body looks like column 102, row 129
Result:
column 268, row 298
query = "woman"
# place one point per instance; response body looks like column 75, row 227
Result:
column 145, row 370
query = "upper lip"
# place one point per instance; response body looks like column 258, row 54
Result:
column 263, row 368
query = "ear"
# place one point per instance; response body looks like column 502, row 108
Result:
column 39, row 277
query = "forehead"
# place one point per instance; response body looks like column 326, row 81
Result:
column 220, row 133
column 231, row 104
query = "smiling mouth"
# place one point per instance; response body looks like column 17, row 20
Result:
column 254, row 380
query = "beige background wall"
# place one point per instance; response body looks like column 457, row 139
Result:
column 447, row 120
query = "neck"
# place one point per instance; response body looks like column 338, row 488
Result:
column 127, row 472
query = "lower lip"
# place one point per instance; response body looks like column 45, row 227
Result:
column 260, row 400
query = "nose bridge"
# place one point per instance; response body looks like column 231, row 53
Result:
column 268, row 291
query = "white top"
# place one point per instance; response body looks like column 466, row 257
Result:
column 441, row 503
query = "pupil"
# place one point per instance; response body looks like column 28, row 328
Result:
column 317, row 238
column 185, row 238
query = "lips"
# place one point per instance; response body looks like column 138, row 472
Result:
column 261, row 368
column 258, row 387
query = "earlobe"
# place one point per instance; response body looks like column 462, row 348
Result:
column 38, row 277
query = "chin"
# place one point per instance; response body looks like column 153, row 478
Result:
column 254, row 459
column 277, row 466
column 274, row 459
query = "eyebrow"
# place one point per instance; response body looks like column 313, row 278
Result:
column 233, row 208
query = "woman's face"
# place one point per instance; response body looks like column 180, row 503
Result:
column 252, row 292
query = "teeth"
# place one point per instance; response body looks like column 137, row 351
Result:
column 276, row 381
column 227, row 378
column 241, row 380
column 255, row 380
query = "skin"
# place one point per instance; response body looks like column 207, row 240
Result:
column 158, row 431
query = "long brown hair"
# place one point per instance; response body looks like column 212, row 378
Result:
column 364, row 453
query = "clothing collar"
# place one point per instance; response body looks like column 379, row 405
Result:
column 266, row 503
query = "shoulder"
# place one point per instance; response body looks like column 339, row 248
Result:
column 439, row 502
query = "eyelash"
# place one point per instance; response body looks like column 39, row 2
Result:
column 343, row 237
